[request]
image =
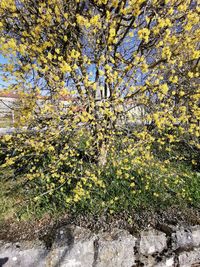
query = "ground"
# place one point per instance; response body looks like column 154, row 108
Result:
column 44, row 228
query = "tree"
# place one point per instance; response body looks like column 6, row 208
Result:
column 107, row 57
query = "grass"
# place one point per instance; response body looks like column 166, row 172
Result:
column 113, row 206
column 7, row 202
column 116, row 198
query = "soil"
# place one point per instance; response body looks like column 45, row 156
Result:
column 45, row 227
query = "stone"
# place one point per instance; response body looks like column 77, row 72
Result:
column 189, row 259
column 80, row 255
column 116, row 250
column 168, row 262
column 27, row 256
column 195, row 231
column 72, row 247
column 182, row 238
column 152, row 241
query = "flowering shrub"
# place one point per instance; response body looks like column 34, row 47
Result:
column 107, row 90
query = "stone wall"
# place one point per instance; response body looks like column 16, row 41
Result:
column 73, row 246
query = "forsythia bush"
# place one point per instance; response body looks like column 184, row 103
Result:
column 108, row 91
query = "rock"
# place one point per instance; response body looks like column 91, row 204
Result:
column 23, row 257
column 152, row 241
column 73, row 247
column 190, row 259
column 186, row 238
column 80, row 255
column 116, row 250
column 152, row 261
column 195, row 230
column 168, row 262
column 79, row 247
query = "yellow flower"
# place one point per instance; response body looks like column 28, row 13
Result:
column 174, row 79
column 7, row 137
column 57, row 50
column 95, row 20
column 56, row 78
column 190, row 74
column 166, row 53
column 65, row 67
column 75, row 54
column 144, row 34
column 112, row 32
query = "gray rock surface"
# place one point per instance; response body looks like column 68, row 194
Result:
column 23, row 254
column 73, row 247
column 196, row 235
column 116, row 250
column 152, row 241
column 78, row 247
column 187, row 259
column 186, row 238
column 182, row 238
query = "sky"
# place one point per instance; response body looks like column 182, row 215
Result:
column 2, row 61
